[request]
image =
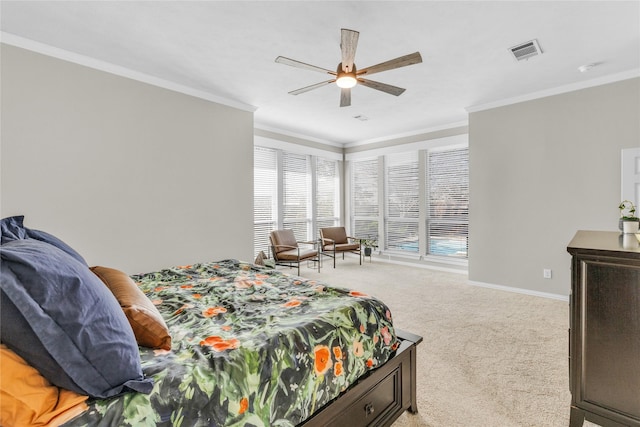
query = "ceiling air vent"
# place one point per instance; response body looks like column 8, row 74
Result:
column 526, row 50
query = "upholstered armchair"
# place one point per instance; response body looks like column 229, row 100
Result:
column 334, row 240
column 287, row 251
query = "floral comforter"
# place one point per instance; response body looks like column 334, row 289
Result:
column 251, row 346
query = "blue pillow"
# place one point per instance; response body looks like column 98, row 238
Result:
column 65, row 322
column 15, row 329
column 53, row 240
column 12, row 228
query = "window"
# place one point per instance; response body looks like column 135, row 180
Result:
column 327, row 193
column 296, row 196
column 296, row 191
column 265, row 196
column 364, row 196
column 448, row 202
column 424, row 205
column 402, row 202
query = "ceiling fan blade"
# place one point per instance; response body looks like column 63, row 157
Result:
column 348, row 45
column 308, row 88
column 402, row 61
column 298, row 64
column 345, row 97
column 392, row 90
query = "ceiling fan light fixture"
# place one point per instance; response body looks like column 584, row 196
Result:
column 346, row 81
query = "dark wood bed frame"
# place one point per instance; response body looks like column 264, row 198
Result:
column 380, row 397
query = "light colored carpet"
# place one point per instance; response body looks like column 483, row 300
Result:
column 489, row 358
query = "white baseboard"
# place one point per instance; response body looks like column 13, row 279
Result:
column 521, row 291
column 422, row 264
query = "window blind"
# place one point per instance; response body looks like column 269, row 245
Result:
column 448, row 202
column 265, row 197
column 296, row 184
column 327, row 193
column 364, row 198
column 402, row 201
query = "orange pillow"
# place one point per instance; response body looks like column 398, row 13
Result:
column 28, row 399
column 145, row 319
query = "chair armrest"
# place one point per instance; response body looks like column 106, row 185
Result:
column 333, row 242
column 285, row 246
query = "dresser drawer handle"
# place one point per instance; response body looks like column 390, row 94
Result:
column 369, row 409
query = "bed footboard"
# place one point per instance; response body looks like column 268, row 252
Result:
column 379, row 398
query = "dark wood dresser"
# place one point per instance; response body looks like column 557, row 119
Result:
column 604, row 335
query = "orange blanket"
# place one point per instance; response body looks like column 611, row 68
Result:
column 28, row 399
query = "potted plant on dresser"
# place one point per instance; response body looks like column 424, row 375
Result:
column 629, row 222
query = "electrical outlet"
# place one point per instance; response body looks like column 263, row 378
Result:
column 546, row 273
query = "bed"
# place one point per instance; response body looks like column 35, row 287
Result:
column 239, row 344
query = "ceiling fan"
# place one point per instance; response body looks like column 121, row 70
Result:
column 346, row 74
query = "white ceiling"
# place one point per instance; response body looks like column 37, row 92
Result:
column 227, row 49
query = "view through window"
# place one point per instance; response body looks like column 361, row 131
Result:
column 429, row 184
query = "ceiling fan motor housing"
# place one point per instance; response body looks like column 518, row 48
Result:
column 346, row 79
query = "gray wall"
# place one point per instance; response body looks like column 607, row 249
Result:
column 133, row 176
column 539, row 171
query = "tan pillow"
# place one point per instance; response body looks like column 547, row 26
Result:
column 28, row 399
column 260, row 259
column 147, row 323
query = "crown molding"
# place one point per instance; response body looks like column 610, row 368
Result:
column 599, row 81
column 266, row 128
column 412, row 133
column 65, row 55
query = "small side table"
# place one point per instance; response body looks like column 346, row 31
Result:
column 363, row 248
